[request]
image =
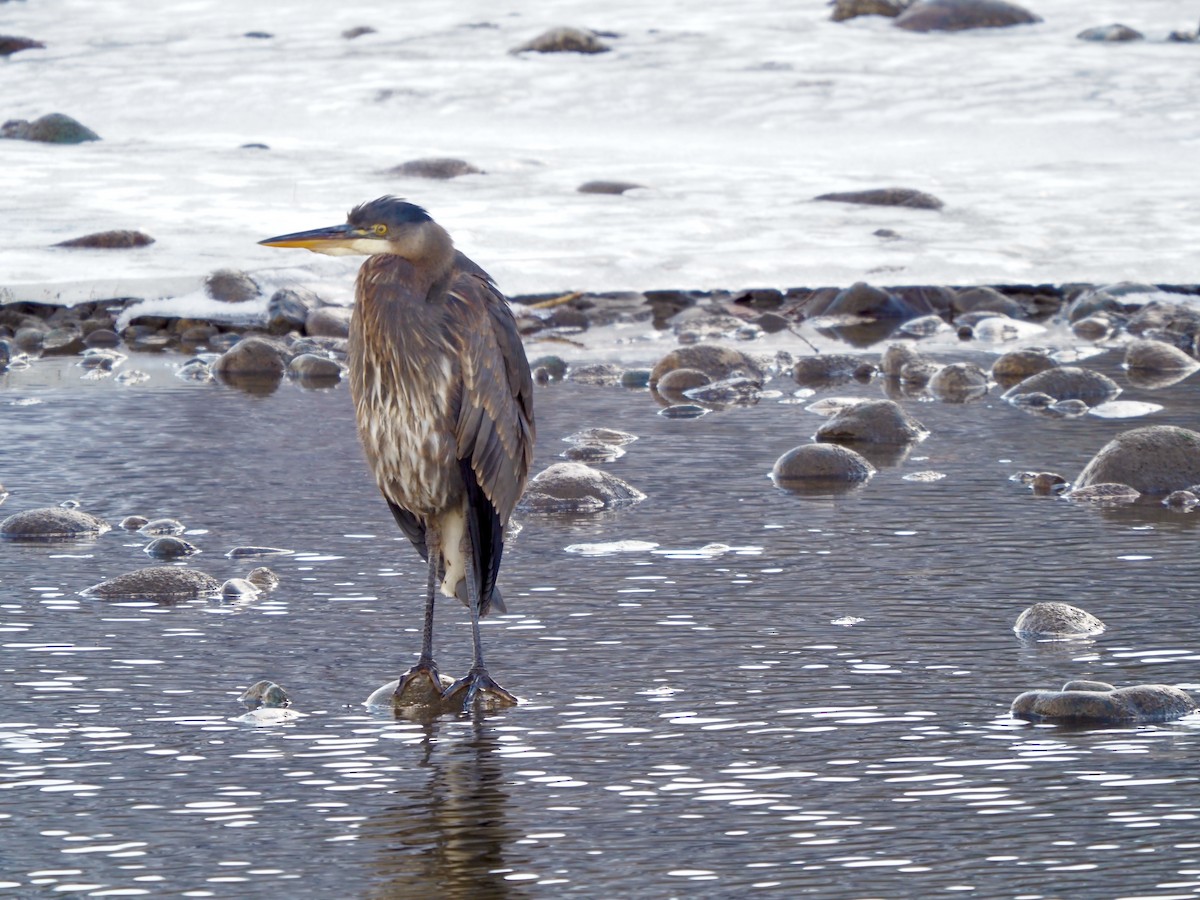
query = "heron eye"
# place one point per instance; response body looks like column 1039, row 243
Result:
column 380, row 230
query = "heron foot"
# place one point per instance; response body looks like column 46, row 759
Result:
column 477, row 685
column 420, row 686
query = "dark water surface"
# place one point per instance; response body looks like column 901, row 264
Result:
column 694, row 723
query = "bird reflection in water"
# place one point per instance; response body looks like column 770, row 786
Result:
column 447, row 836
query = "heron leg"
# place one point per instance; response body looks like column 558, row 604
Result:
column 477, row 682
column 410, row 690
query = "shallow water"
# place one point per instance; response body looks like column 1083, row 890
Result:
column 694, row 720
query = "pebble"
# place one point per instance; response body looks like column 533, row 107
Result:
column 893, row 196
column 564, row 40
column 55, row 128
column 263, row 578
column 109, row 240
column 163, row 527
column 436, row 167
column 240, row 589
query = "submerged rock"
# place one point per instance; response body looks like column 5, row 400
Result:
column 564, row 40
column 960, row 15
column 1106, row 492
column 263, row 578
column 851, row 9
column 1114, row 32
column 892, row 196
column 608, row 187
column 959, row 382
column 575, row 487
column 821, row 463
column 265, row 693
column 829, row 369
column 109, row 240
column 133, row 523
column 170, row 548
column 1158, row 356
column 55, row 128
column 52, row 523
column 10, row 44
column 1057, row 620
column 1067, row 383
column 897, row 356
column 314, row 368
column 240, row 589
column 873, row 422
column 436, row 167
column 714, row 360
column 1017, row 365
column 1098, row 703
column 160, row 526
column 160, row 583
column 1153, row 459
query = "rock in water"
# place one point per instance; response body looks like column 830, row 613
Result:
column 163, row 584
column 1154, row 459
column 1096, row 703
column 873, row 422
column 52, row 523
column 959, row 15
column 821, row 463
column 576, row 488
column 1057, row 620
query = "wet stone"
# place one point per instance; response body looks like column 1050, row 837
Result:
column 196, row 371
column 1111, row 33
column 263, row 578
column 564, row 40
column 873, row 422
column 288, row 309
column 923, row 326
column 170, row 548
column 577, row 488
column 555, row 366
column 826, row 369
column 1068, row 383
column 728, row 391
column 167, row 527
column 986, row 299
column 240, row 589
column 1057, row 620
column 436, row 167
column 54, row 128
column 959, row 382
column 1154, row 459
column 1184, row 500
column 102, row 338
column 231, row 286
column 635, row 378
column 311, row 367
column 52, row 523
column 133, row 523
column 608, row 187
column 960, row 15
column 250, row 357
column 908, row 198
column 1105, row 492
column 358, row 31
column 265, row 693
column 329, row 321
column 1016, row 365
column 1105, row 705
column 602, row 374
column 675, row 382
column 850, row 9
column 821, row 463
column 109, row 240
column 1158, row 356
column 255, row 552
column 714, row 360
column 896, row 357
column 612, row 436
column 160, row 583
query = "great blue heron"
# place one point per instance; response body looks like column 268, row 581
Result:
column 444, row 403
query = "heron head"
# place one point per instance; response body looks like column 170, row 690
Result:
column 387, row 225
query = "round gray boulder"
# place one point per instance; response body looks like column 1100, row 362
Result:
column 576, row 488
column 1154, row 459
column 714, row 360
column 1057, row 620
column 821, row 463
column 873, row 422
column 250, row 358
column 160, row 583
column 1096, row 703
column 959, row 15
column 959, row 382
column 52, row 523
column 1068, row 383
column 1017, row 365
column 1158, row 356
